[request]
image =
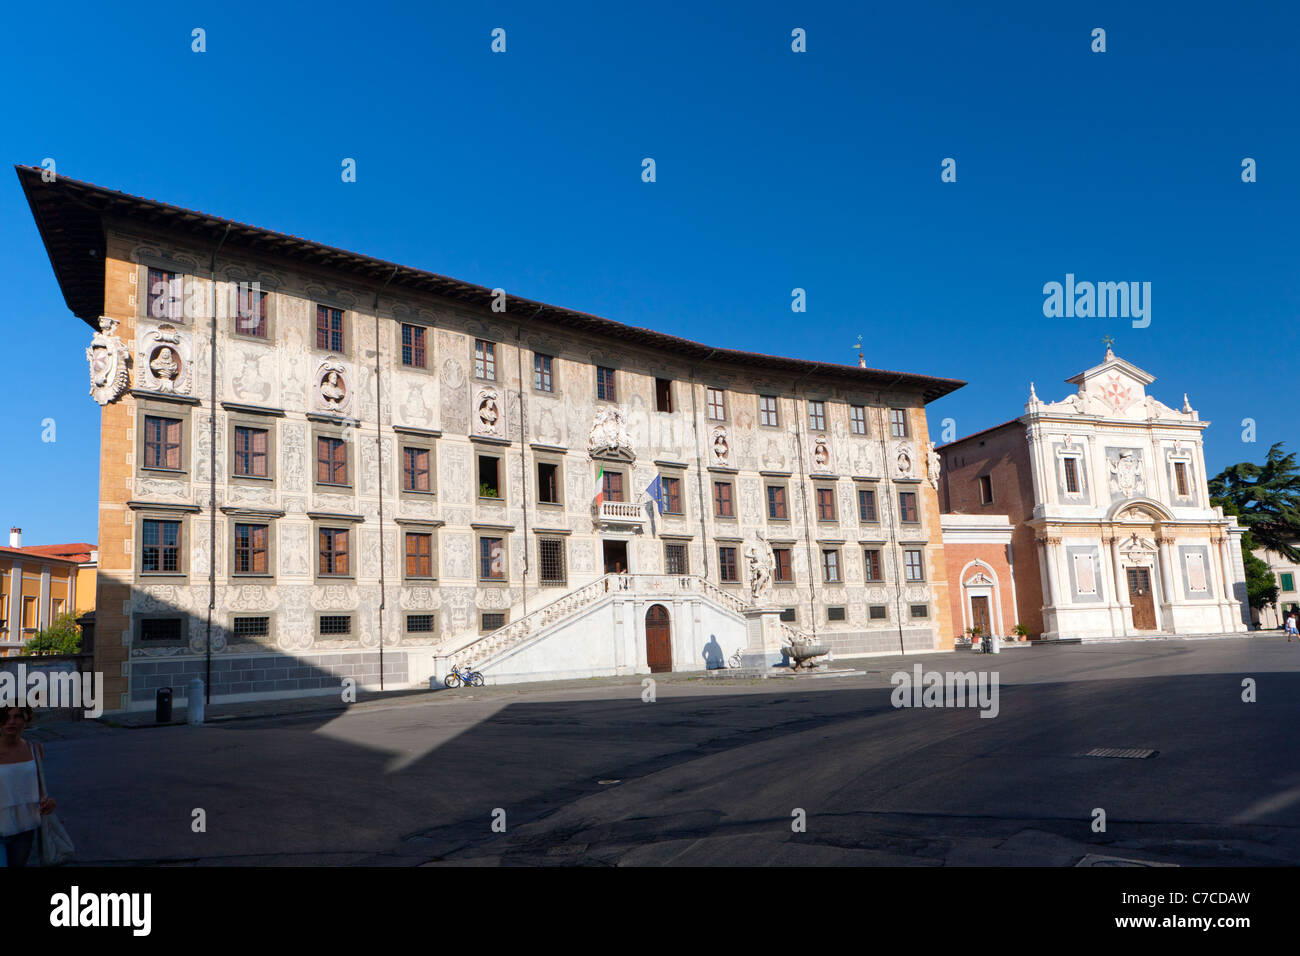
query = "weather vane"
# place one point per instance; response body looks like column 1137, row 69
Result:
column 862, row 361
column 1109, row 342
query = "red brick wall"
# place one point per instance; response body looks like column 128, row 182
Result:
column 1003, row 454
column 995, row 556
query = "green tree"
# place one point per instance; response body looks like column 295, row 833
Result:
column 1266, row 500
column 1261, row 586
column 63, row 636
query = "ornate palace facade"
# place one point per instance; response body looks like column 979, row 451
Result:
column 358, row 469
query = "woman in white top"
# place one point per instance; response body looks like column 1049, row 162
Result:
column 21, row 804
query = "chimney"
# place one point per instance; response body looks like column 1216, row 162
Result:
column 15, row 537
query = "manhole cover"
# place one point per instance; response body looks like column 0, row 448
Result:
column 1132, row 753
column 606, row 783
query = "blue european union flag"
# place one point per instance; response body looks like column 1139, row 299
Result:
column 656, row 492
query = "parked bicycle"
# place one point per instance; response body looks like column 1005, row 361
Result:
column 735, row 660
column 458, row 677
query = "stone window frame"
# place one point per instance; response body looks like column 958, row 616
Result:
column 272, row 310
column 155, row 408
column 613, row 383
column 482, row 619
column 854, row 421
column 427, row 443
column 894, row 424
column 985, row 480
column 676, row 473
column 487, row 451
column 921, row 565
column 272, row 551
column 839, row 564
column 137, row 629
column 266, row 423
column 188, row 272
column 858, row 488
column 866, row 565
column 667, row 388
column 913, row 489
column 1172, row 461
column 1076, row 452
column 625, row 476
column 331, row 523
column 430, row 362
column 722, row 401
column 562, row 541
column 480, row 535
column 818, row 487
column 348, row 323
column 776, row 569
column 555, row 458
column 182, row 546
column 686, row 555
column 793, row 613
column 474, row 360
column 346, row 432
column 352, row 626
column 554, row 372
column 817, row 415
column 435, row 552
column 731, row 500
column 882, row 617
column 234, row 616
column 735, row 548
column 406, row 622
column 767, row 500
column 913, row 608
column 776, row 411
column 844, row 614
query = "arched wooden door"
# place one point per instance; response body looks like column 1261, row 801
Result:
column 658, row 640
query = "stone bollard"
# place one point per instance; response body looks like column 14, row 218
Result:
column 194, row 702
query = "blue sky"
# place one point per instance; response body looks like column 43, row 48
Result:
column 775, row 170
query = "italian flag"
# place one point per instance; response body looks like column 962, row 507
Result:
column 600, row 486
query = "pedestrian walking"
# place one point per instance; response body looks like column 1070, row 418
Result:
column 22, row 803
column 1291, row 633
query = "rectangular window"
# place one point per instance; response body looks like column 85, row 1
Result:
column 717, row 403
column 331, row 461
column 605, row 384
column 867, row 505
column 162, row 442
column 166, row 295
column 329, row 329
column 1288, row 581
column 913, row 565
column 907, row 507
column 333, row 551
column 1071, row 475
column 776, row 503
column 817, row 416
column 335, row 625
column 491, row 559
column 161, row 629
column 830, row 566
column 543, row 372
column 1180, row 478
column 878, row 612
column 722, row 499
column 920, row 610
column 415, row 469
column 489, row 476
column 663, row 395
column 420, row 623
column 29, row 613
column 784, row 570
column 789, row 615
column 419, row 554
column 858, row 419
column 548, row 483
column 767, row 413
column 986, row 489
column 413, row 346
column 612, row 482
column 727, row 565
column 834, row 614
column 250, row 311
column 825, row 504
column 675, row 559
column 872, row 566
column 672, row 495
column 250, row 548
column 550, row 555
column 251, row 627
column 485, row 360
column 161, row 551
column 898, row 422
column 251, row 452
column 493, row 621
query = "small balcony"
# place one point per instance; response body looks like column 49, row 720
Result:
column 621, row 513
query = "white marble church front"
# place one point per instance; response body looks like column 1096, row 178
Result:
column 1128, row 543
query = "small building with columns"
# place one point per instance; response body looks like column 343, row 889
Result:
column 1114, row 533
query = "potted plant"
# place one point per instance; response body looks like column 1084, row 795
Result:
column 1021, row 632
column 974, row 631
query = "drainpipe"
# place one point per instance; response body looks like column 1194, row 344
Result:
column 803, row 489
column 888, row 507
column 523, row 454
column 699, row 470
column 379, row 463
column 212, row 476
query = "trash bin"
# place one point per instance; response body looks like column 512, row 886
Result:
column 163, row 706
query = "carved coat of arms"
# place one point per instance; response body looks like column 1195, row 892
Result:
column 609, row 433
column 110, row 361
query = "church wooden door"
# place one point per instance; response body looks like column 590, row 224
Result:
column 658, row 640
column 979, row 614
column 1139, row 595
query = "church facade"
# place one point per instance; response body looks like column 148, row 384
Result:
column 316, row 465
column 1114, row 533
